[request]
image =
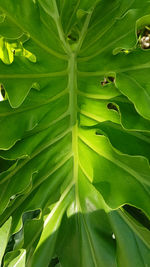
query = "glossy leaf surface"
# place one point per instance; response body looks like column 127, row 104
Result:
column 75, row 132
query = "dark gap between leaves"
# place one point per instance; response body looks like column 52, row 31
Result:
column 54, row 262
column 26, row 216
column 138, row 215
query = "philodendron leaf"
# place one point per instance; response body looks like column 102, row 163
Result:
column 4, row 237
column 75, row 132
column 15, row 259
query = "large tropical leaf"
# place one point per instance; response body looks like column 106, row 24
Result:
column 75, row 133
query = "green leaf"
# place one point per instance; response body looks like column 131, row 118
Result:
column 129, row 242
column 15, row 259
column 4, row 236
column 75, row 132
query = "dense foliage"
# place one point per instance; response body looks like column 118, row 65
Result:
column 75, row 133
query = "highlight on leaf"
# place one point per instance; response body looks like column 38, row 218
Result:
column 10, row 48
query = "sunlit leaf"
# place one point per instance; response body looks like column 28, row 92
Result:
column 75, row 132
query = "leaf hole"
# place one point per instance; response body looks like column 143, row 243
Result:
column 112, row 106
column 72, row 38
column 104, row 82
column 98, row 133
column 144, row 37
column 13, row 197
column 111, row 79
column 2, row 93
column 107, row 80
column 126, row 51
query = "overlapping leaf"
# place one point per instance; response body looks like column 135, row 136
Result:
column 74, row 133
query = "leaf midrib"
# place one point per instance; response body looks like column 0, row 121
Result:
column 72, row 86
